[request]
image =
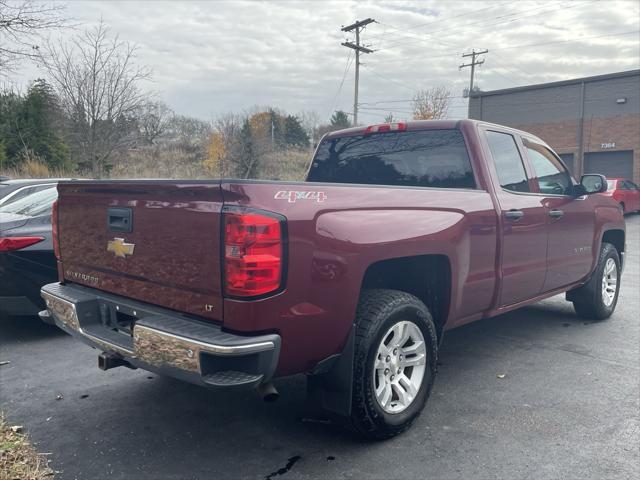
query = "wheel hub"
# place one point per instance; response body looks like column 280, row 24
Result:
column 399, row 367
column 609, row 282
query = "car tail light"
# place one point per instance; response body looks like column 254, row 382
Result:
column 54, row 230
column 253, row 253
column 387, row 127
column 8, row 244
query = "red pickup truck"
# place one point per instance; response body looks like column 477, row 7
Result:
column 400, row 232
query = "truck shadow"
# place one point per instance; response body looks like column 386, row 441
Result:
column 25, row 328
column 147, row 422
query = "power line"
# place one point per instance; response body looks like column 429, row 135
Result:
column 441, row 20
column 502, row 19
column 569, row 41
column 555, row 42
column 357, row 26
column 389, row 79
column 570, row 101
column 402, row 101
column 506, row 63
column 344, row 75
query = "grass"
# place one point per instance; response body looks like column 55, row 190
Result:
column 286, row 165
column 18, row 459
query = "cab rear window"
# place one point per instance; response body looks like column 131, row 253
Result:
column 423, row 158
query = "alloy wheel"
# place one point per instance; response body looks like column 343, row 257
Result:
column 399, row 366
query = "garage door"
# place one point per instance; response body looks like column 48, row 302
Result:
column 610, row 164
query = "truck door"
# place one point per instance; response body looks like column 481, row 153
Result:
column 571, row 221
column 524, row 222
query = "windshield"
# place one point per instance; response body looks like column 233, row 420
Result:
column 38, row 203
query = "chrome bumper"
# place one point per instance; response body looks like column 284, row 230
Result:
column 163, row 341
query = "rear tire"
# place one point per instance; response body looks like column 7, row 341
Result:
column 394, row 367
column 597, row 299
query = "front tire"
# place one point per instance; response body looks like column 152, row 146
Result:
column 395, row 357
column 597, row 299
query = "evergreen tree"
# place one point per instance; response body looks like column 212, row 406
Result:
column 32, row 126
column 3, row 156
column 10, row 104
column 41, row 124
column 294, row 133
column 247, row 154
column 276, row 128
column 340, row 120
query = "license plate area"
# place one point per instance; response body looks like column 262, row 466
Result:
column 119, row 319
column 110, row 321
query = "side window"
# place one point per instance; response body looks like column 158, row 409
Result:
column 21, row 193
column 508, row 162
column 39, row 188
column 550, row 174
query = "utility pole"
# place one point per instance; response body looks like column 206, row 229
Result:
column 473, row 64
column 357, row 26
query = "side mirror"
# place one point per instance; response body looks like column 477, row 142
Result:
column 591, row 183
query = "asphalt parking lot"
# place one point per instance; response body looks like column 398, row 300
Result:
column 567, row 407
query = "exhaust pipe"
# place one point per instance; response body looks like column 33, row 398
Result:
column 107, row 361
column 268, row 392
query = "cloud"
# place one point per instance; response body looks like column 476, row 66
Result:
column 216, row 56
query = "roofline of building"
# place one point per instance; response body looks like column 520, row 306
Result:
column 573, row 81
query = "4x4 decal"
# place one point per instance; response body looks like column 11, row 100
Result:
column 292, row 195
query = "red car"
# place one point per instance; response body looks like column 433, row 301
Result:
column 400, row 232
column 625, row 192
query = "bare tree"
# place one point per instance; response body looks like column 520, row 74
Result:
column 99, row 88
column 21, row 27
column 223, row 149
column 153, row 120
column 431, row 104
column 310, row 121
column 188, row 132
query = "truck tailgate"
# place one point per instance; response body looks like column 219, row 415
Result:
column 153, row 241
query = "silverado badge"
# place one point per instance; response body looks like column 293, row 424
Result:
column 120, row 248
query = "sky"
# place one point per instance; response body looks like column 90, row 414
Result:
column 213, row 57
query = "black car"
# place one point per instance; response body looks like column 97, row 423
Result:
column 27, row 261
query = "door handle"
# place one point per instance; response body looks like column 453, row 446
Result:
column 514, row 215
column 556, row 213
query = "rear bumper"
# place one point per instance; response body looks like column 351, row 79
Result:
column 161, row 340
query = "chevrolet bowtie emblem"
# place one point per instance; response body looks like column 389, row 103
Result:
column 120, row 248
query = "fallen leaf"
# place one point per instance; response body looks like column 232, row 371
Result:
column 17, row 428
column 5, row 362
column 59, row 397
column 501, row 375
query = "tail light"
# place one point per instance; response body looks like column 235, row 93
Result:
column 253, row 253
column 387, row 127
column 54, row 230
column 8, row 244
